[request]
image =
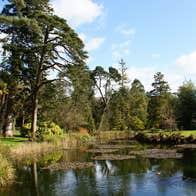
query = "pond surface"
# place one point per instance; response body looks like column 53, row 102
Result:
column 140, row 176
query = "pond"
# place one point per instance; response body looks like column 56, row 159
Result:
column 135, row 176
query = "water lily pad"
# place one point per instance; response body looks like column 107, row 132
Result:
column 102, row 150
column 115, row 146
column 69, row 165
column 186, row 146
column 157, row 153
column 122, row 141
column 112, row 157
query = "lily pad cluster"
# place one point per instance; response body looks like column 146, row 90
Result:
column 186, row 146
column 112, row 157
column 157, row 153
column 120, row 146
column 69, row 165
column 102, row 150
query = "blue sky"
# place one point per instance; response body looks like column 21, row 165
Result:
column 150, row 35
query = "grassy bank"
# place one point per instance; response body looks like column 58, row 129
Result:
column 167, row 136
column 17, row 150
column 34, row 150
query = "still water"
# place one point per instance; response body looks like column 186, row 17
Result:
column 141, row 177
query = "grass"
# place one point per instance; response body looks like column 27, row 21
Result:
column 12, row 141
column 167, row 136
column 32, row 151
column 185, row 133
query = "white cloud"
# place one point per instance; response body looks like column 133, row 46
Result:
column 121, row 50
column 126, row 30
column 94, row 43
column 146, row 74
column 77, row 12
column 91, row 43
column 187, row 63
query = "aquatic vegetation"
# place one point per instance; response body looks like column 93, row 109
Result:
column 102, row 150
column 117, row 141
column 157, row 153
column 120, row 146
column 69, row 165
column 112, row 157
column 186, row 146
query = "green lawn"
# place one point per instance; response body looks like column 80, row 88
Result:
column 12, row 141
column 185, row 133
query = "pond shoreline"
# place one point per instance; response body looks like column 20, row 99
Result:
column 34, row 150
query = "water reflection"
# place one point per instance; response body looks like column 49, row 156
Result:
column 129, row 177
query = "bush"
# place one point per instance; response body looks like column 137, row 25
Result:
column 26, row 130
column 49, row 128
column 137, row 124
column 43, row 128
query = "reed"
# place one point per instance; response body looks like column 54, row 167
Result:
column 104, row 136
column 7, row 172
column 32, row 151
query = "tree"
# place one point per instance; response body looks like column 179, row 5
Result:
column 186, row 107
column 119, row 109
column 48, row 43
column 3, row 98
column 122, row 69
column 159, row 110
column 138, row 105
column 104, row 82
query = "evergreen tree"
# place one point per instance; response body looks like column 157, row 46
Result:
column 138, row 105
column 186, row 107
column 122, row 69
column 159, row 110
column 119, row 110
column 46, row 43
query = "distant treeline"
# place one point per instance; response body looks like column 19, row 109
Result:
column 36, row 43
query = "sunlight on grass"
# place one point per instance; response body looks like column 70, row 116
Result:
column 13, row 141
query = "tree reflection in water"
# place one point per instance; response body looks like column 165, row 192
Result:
column 138, row 176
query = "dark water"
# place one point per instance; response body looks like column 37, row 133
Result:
column 129, row 177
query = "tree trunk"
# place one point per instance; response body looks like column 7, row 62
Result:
column 8, row 127
column 2, row 110
column 8, row 116
column 34, row 115
column 22, row 120
column 38, row 86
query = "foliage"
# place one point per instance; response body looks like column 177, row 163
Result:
column 138, row 105
column 49, row 128
column 119, row 110
column 186, row 106
column 26, row 130
column 37, row 42
column 159, row 109
column 44, row 128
